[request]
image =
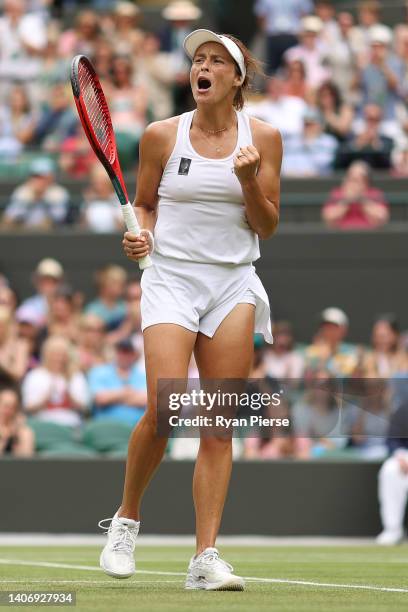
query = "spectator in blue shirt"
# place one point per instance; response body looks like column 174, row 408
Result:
column 118, row 389
column 311, row 153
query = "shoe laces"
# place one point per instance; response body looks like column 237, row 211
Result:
column 212, row 557
column 124, row 535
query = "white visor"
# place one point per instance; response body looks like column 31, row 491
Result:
column 199, row 37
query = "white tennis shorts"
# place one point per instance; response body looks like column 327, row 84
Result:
column 198, row 296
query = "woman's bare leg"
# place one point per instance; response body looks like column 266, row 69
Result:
column 168, row 349
column 228, row 354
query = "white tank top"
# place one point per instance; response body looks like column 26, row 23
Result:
column 201, row 214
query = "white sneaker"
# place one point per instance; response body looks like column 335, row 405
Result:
column 117, row 558
column 209, row 572
column 390, row 537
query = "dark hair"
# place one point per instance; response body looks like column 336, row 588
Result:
column 391, row 319
column 253, row 68
column 333, row 90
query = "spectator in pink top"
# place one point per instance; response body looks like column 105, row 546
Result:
column 312, row 51
column 356, row 204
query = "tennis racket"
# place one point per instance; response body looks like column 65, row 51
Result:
column 96, row 120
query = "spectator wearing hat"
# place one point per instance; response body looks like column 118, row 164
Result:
column 329, row 351
column 118, row 388
column 368, row 16
column 281, row 22
column 380, row 78
column 311, row 51
column 356, row 204
column 180, row 16
column 369, row 143
column 128, row 35
column 39, row 203
column 48, row 276
column 313, row 152
column 16, row 438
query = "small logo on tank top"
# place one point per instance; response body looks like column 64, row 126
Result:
column 184, row 167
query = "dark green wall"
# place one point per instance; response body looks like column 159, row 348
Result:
column 266, row 498
column 304, row 269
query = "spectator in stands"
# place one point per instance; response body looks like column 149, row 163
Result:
column 109, row 305
column 316, row 422
column 29, row 329
column 102, row 59
column 57, row 122
column 180, row 16
column 336, row 114
column 53, row 66
column 311, row 51
column 63, row 315
column 369, row 145
column 76, row 156
column 48, row 276
column 386, row 358
column 281, row 22
column 328, row 350
column 14, row 351
column 83, row 38
column 16, row 123
column 156, row 70
column 39, row 203
column 22, row 40
column 16, row 438
column 380, row 79
column 280, row 110
column 295, row 84
column 119, row 388
column 264, row 442
column 56, row 390
column 369, row 15
column 341, row 57
column 369, row 414
column 393, row 480
column 92, row 348
column 356, row 204
column 400, row 162
column 8, row 298
column 100, row 212
column 128, row 35
column 282, row 361
column 312, row 153
column 128, row 105
column 326, row 12
column 131, row 326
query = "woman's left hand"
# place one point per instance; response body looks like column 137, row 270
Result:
column 246, row 163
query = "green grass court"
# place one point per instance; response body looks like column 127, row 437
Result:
column 334, row 570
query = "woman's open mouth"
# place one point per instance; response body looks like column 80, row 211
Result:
column 203, row 84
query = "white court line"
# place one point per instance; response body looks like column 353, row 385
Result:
column 367, row 587
column 90, row 582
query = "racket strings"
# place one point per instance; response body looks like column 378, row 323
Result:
column 97, row 110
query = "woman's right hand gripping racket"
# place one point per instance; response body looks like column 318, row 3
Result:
column 96, row 120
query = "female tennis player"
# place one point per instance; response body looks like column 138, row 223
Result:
column 208, row 188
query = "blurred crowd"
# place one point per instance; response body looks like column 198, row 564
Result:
column 69, row 363
column 336, row 87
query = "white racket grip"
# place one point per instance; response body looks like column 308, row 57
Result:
column 133, row 226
